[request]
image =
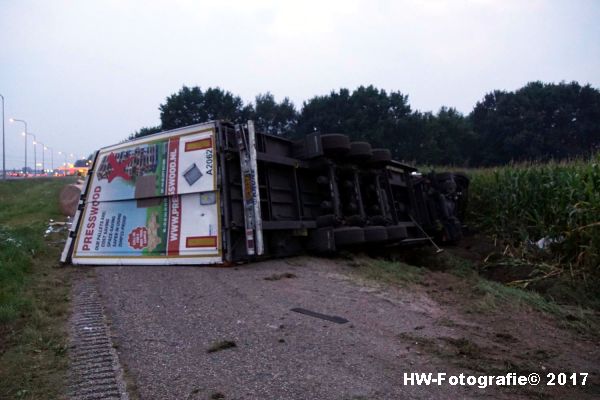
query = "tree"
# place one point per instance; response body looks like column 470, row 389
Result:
column 537, row 122
column 451, row 138
column 193, row 106
column 145, row 132
column 367, row 113
column 386, row 120
column 272, row 117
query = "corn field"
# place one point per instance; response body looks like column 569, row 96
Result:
column 558, row 202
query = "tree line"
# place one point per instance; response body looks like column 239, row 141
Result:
column 537, row 122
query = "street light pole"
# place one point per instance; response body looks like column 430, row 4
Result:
column 51, row 158
column 34, row 154
column 65, row 165
column 43, row 155
column 25, row 136
column 3, row 145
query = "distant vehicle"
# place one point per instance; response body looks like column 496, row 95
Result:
column 71, row 171
column 218, row 193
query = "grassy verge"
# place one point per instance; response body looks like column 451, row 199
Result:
column 484, row 295
column 34, row 292
column 391, row 272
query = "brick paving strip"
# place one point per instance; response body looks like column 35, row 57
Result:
column 94, row 372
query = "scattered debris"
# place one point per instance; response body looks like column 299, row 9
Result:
column 545, row 242
column 332, row 318
column 6, row 238
column 221, row 345
column 276, row 277
column 57, row 226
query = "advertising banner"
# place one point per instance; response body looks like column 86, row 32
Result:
column 153, row 201
column 162, row 167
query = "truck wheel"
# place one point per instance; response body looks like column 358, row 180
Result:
column 348, row 236
column 322, row 240
column 445, row 182
column 444, row 176
column 375, row 234
column 452, row 231
column 461, row 179
column 381, row 156
column 335, row 144
column 377, row 219
column 396, row 232
column 360, row 151
column 355, row 220
column 326, row 220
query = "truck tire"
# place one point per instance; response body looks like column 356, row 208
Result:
column 335, row 144
column 381, row 156
column 377, row 219
column 375, row 234
column 322, row 240
column 461, row 179
column 348, row 236
column 360, row 151
column 444, row 176
column 445, row 182
column 396, row 232
column 452, row 231
column 355, row 220
column 327, row 220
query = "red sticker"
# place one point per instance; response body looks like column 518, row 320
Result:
column 138, row 238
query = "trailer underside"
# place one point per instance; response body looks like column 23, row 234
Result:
column 231, row 194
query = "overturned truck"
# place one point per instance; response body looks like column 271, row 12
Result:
column 219, row 193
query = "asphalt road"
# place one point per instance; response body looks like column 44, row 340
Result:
column 165, row 319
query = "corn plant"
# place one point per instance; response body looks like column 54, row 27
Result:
column 556, row 201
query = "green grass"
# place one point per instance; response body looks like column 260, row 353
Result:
column 15, row 261
column 34, row 292
column 485, row 296
column 494, row 295
column 391, row 272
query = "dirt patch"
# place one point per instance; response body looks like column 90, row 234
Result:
column 486, row 328
column 277, row 277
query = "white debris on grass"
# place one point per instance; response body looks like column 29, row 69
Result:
column 6, row 238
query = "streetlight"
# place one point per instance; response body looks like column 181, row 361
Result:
column 25, row 135
column 65, row 165
column 3, row 140
column 43, row 155
column 34, row 153
column 51, row 157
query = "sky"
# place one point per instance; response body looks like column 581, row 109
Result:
column 86, row 74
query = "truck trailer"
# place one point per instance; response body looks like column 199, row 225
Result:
column 223, row 193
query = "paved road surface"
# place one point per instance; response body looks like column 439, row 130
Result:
column 165, row 319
